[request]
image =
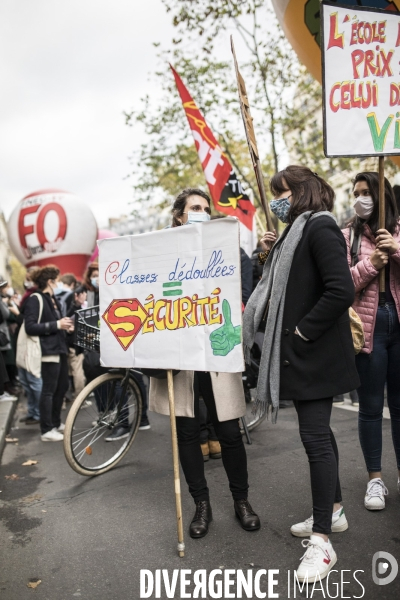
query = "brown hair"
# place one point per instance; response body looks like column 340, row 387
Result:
column 42, row 276
column 94, row 266
column 69, row 279
column 179, row 204
column 309, row 190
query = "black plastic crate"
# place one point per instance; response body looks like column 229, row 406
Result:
column 87, row 325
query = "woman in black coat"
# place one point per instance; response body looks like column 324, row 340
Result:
column 308, row 356
column 50, row 326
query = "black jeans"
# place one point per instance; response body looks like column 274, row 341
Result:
column 207, row 431
column 55, row 385
column 323, row 456
column 3, row 374
column 233, row 452
column 382, row 365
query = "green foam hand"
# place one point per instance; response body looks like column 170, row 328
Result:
column 226, row 337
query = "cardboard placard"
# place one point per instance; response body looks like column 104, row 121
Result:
column 171, row 299
column 361, row 80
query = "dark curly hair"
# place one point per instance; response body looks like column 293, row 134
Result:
column 41, row 276
column 179, row 204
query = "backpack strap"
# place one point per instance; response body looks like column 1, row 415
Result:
column 40, row 300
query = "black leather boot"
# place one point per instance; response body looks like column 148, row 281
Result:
column 249, row 520
column 202, row 517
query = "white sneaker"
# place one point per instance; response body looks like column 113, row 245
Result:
column 318, row 560
column 61, row 427
column 52, row 436
column 304, row 529
column 6, row 397
column 375, row 495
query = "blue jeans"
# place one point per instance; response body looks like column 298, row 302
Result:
column 382, row 365
column 33, row 389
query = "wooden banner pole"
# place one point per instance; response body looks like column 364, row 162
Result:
column 382, row 224
column 175, row 458
column 251, row 139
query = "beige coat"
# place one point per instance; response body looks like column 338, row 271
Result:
column 227, row 388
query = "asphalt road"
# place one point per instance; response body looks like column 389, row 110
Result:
column 88, row 538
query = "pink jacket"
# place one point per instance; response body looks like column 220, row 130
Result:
column 365, row 277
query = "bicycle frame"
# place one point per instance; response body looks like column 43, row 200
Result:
column 129, row 373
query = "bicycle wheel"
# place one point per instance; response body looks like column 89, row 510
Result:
column 252, row 420
column 94, row 416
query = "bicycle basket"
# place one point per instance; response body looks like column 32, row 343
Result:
column 87, row 325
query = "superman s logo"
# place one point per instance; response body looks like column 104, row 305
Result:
column 125, row 318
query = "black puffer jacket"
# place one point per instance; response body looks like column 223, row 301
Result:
column 52, row 339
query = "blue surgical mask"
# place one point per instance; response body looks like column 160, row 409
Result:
column 281, row 208
column 95, row 282
column 197, row 217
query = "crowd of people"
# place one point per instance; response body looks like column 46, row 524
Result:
column 307, row 280
column 54, row 370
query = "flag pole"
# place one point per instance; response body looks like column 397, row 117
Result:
column 382, row 224
column 175, row 458
column 251, row 139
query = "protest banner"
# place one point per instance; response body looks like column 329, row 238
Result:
column 361, row 81
column 171, row 299
column 361, row 88
column 225, row 187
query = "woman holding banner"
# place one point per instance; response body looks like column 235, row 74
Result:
column 370, row 249
column 224, row 397
column 307, row 355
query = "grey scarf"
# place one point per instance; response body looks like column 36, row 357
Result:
column 269, row 296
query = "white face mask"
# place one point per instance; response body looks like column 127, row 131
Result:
column 10, row 292
column 197, row 217
column 363, row 206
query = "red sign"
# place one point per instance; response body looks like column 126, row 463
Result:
column 25, row 230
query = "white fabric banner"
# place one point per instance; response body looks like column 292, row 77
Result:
column 361, row 57
column 171, row 299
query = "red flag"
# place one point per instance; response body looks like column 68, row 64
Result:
column 225, row 188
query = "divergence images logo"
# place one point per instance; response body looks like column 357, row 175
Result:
column 125, row 318
column 380, row 568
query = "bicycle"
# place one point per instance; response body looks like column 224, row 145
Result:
column 114, row 400
column 111, row 401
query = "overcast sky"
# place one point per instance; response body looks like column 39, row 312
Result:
column 68, row 71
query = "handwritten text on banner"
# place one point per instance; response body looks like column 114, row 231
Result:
column 361, row 53
column 171, row 299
